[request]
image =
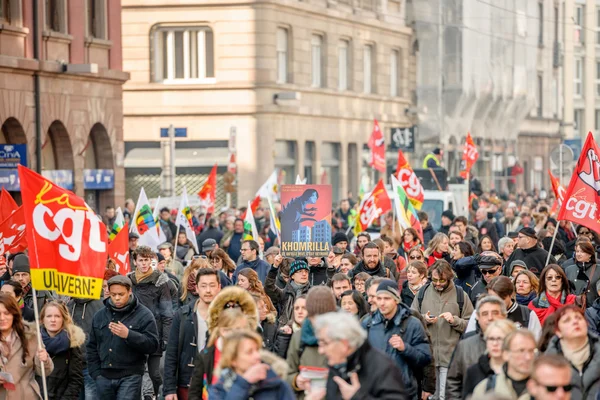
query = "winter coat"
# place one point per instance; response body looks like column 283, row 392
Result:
column 406, row 295
column 534, row 258
column 489, row 228
column 379, row 377
column 210, row 233
column 154, row 293
column 176, row 268
column 592, row 315
column 185, row 252
column 428, row 234
column 586, row 384
column 511, row 225
column 109, row 354
column 259, row 266
column 466, row 353
column 66, row 380
column 478, row 290
column 502, row 387
column 83, row 311
column 379, row 271
column 269, row 331
column 182, row 349
column 232, row 386
column 43, row 296
column 303, row 351
column 476, row 373
column 416, row 355
column 579, row 277
column 27, row 313
column 173, row 290
column 202, row 374
column 467, row 272
column 282, row 343
column 444, row 336
column 521, row 315
column 320, row 274
column 239, row 296
column 283, row 299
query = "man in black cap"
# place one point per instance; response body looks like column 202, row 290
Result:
column 528, row 251
column 340, row 239
column 208, row 246
column 123, row 333
column 22, row 274
column 447, row 219
column 490, row 266
column 433, row 159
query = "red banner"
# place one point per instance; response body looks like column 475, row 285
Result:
column 583, row 195
column 67, row 241
column 7, row 204
column 470, row 156
column 253, row 206
column 377, row 146
column 208, row 193
column 557, row 188
column 373, row 207
column 12, row 233
column 118, row 250
column 409, row 181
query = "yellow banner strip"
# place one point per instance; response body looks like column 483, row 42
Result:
column 84, row 287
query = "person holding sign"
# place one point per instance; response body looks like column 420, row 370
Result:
column 20, row 357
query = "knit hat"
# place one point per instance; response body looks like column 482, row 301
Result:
column 528, row 232
column 517, row 263
column 297, row 266
column 160, row 257
column 448, row 214
column 12, row 256
column 320, row 300
column 120, row 280
column 21, row 264
column 437, row 151
column 388, row 286
column 339, row 237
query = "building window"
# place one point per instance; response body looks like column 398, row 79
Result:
column 368, row 69
column 184, row 54
column 577, row 121
column 282, row 55
column 317, row 60
column 285, row 159
column 5, row 11
column 309, row 156
column 541, row 24
column 579, row 18
column 55, row 15
column 343, row 51
column 330, row 164
column 540, row 95
column 96, row 18
column 394, row 73
column 578, row 81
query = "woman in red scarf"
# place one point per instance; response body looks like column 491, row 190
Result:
column 438, row 249
column 553, row 293
column 410, row 239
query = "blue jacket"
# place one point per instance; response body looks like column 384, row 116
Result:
column 234, row 387
column 259, row 266
column 417, row 352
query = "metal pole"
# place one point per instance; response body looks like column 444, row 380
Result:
column 551, row 246
column 36, row 89
column 172, row 159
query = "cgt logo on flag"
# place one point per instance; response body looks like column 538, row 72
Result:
column 67, row 241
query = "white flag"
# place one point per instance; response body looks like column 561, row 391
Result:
column 161, row 234
column 144, row 224
column 300, row 181
column 270, row 189
column 184, row 219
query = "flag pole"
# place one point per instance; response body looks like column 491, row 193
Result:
column 39, row 340
column 174, row 255
column 551, row 246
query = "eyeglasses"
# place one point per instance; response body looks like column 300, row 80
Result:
column 554, row 278
column 416, row 257
column 552, row 389
column 489, row 271
column 442, row 281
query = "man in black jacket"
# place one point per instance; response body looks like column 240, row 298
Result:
column 152, row 290
column 356, row 370
column 22, row 274
column 371, row 263
column 122, row 334
column 528, row 251
column 490, row 266
column 188, row 336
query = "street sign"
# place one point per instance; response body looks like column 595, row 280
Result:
column 403, row 139
column 98, row 179
column 575, row 145
column 561, row 162
column 179, row 132
column 61, row 177
column 11, row 155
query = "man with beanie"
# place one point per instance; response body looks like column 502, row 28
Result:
column 395, row 331
column 123, row 333
column 447, row 220
column 340, row 239
column 304, row 349
column 151, row 288
column 298, row 285
column 433, row 159
column 22, row 274
column 527, row 250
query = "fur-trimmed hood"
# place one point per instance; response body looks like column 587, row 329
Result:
column 278, row 364
column 232, row 294
column 271, row 317
column 77, row 336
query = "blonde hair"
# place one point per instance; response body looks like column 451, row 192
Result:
column 68, row 324
column 506, row 326
column 231, row 345
column 435, row 243
column 227, row 319
column 197, row 264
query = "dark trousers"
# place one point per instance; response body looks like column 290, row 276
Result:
column 129, row 387
column 182, row 393
column 154, row 371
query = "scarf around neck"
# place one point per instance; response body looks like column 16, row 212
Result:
column 297, row 287
column 577, row 357
column 525, row 300
column 57, row 344
column 140, row 276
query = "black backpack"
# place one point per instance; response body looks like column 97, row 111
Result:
column 460, row 297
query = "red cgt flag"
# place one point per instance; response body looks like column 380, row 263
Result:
column 67, row 241
column 377, row 146
column 118, row 250
column 208, row 193
column 7, row 204
column 583, row 195
column 409, row 181
column 253, row 206
column 12, row 233
column 557, row 188
column 373, row 207
column 470, row 156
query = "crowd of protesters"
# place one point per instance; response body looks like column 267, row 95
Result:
column 473, row 308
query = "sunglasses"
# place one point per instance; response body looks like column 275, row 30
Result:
column 489, row 271
column 415, row 257
column 552, row 389
column 554, row 278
